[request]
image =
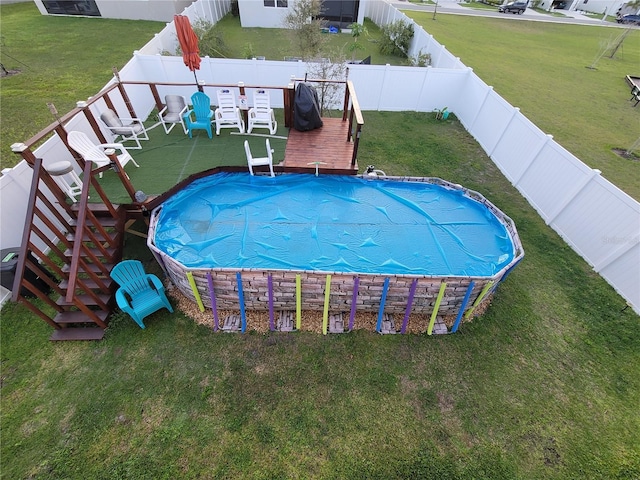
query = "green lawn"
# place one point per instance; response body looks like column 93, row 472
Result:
column 61, row 60
column 275, row 43
column 541, row 68
column 546, row 385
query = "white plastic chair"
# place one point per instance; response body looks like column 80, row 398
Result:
column 228, row 115
column 254, row 162
column 261, row 114
column 175, row 107
column 97, row 153
column 133, row 130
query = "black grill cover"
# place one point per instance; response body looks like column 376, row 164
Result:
column 306, row 110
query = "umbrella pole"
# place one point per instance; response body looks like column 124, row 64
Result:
column 200, row 89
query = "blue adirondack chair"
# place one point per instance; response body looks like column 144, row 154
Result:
column 140, row 293
column 198, row 117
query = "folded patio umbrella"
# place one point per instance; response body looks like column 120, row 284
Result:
column 188, row 43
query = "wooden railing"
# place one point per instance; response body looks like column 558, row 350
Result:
column 353, row 107
column 101, row 240
column 67, row 238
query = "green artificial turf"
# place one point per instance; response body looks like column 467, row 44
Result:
column 166, row 160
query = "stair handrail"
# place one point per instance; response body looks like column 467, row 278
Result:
column 81, row 223
column 84, row 213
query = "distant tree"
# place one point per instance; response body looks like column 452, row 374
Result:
column 330, row 93
column 357, row 29
column 306, row 25
column 210, row 40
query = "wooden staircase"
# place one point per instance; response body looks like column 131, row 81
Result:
column 66, row 281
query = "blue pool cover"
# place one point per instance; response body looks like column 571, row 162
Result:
column 333, row 224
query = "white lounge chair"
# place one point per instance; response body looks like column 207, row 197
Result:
column 96, row 153
column 228, row 115
column 261, row 114
column 128, row 129
column 175, row 107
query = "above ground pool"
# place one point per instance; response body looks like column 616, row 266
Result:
column 406, row 248
column 332, row 223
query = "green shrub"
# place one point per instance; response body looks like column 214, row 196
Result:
column 210, row 39
column 396, row 38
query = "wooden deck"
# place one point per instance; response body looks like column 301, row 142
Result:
column 327, row 144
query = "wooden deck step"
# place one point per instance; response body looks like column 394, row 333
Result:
column 76, row 316
column 98, row 253
column 88, row 333
column 91, row 267
column 98, row 236
column 106, row 222
column 84, row 299
column 88, row 283
column 98, row 209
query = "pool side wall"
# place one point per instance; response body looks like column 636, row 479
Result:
column 255, row 284
column 370, row 289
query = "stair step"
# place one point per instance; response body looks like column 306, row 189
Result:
column 98, row 209
column 106, row 222
column 98, row 236
column 110, row 252
column 83, row 333
column 88, row 283
column 84, row 299
column 76, row 316
column 92, row 267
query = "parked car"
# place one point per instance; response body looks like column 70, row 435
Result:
column 631, row 19
column 513, row 7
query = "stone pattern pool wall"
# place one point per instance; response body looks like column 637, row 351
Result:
column 256, row 290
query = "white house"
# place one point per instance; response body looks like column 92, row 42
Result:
column 609, row 7
column 270, row 13
column 158, row 10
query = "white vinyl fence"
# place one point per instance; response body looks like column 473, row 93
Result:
column 597, row 219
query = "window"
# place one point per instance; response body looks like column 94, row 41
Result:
column 276, row 3
column 72, row 7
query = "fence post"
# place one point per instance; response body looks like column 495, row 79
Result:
column 289, row 97
column 504, row 130
column 516, row 181
column 569, row 198
column 480, row 108
column 616, row 253
column 25, row 152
